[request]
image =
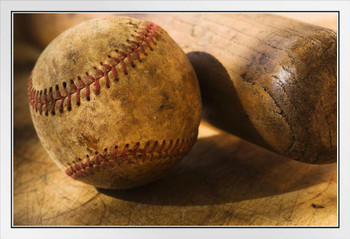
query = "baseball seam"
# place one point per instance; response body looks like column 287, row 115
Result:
column 45, row 100
column 151, row 151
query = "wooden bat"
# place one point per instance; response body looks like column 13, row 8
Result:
column 267, row 79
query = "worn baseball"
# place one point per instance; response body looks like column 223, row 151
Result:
column 115, row 102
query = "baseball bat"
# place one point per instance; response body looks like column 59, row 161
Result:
column 272, row 81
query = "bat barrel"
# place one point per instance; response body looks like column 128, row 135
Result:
column 274, row 84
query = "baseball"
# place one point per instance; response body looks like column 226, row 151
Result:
column 115, row 102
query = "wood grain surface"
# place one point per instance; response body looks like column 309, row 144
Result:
column 223, row 181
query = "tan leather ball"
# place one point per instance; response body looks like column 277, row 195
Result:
column 115, row 102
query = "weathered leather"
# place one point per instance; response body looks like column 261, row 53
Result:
column 154, row 98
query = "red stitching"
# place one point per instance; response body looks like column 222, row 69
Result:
column 81, row 164
column 115, row 152
column 46, row 103
column 96, row 83
column 40, row 103
column 161, row 148
column 104, row 75
column 167, row 150
column 53, row 101
column 88, row 163
column 59, row 97
column 134, row 150
column 46, row 100
column 125, row 151
column 128, row 155
column 104, row 154
column 96, row 160
column 76, row 168
column 144, row 151
column 175, row 146
column 152, row 150
column 77, row 90
column 113, row 70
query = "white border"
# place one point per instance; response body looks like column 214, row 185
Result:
column 5, row 199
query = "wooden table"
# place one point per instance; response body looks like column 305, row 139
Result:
column 223, row 181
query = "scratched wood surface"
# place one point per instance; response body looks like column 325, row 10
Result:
column 223, row 181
